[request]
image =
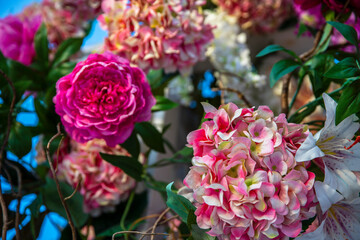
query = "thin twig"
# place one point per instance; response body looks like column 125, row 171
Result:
column 142, row 219
column 163, row 222
column 239, row 94
column 58, row 153
column 18, row 198
column 76, row 189
column 157, row 221
column 6, row 138
column 285, row 95
column 68, row 215
column 141, row 233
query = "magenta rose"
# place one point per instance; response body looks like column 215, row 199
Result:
column 17, row 38
column 103, row 97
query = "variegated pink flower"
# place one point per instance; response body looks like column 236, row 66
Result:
column 258, row 15
column 246, row 182
column 157, row 34
column 102, row 185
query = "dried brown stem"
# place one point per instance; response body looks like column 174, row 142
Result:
column 142, row 219
column 152, row 228
column 285, row 95
column 239, row 94
column 58, row 153
column 157, row 221
column 76, row 189
column 141, row 233
column 18, row 198
column 6, row 138
column 63, row 202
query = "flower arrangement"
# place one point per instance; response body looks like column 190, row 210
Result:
column 169, row 35
column 84, row 138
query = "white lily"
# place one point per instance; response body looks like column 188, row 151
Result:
column 341, row 220
column 330, row 144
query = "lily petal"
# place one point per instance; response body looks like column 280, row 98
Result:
column 308, row 150
column 326, row 195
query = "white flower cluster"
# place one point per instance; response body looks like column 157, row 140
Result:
column 229, row 53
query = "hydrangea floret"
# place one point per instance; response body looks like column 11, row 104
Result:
column 102, row 185
column 246, row 182
column 157, row 34
column 103, row 97
column 258, row 16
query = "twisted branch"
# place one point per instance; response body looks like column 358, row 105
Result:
column 63, row 202
column 157, row 222
column 6, row 138
column 18, row 198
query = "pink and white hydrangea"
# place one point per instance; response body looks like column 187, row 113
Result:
column 258, row 16
column 245, row 180
column 102, row 185
column 157, row 34
column 329, row 146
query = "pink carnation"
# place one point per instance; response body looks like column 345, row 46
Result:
column 246, row 182
column 157, row 34
column 103, row 97
column 258, row 15
column 17, row 37
column 102, row 185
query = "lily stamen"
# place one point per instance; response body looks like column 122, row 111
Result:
column 357, row 140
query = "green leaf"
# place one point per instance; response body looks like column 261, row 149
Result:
column 75, row 204
column 346, row 68
column 154, row 78
column 163, row 103
column 20, row 140
column 129, row 165
column 282, row 68
column 196, row 232
column 64, row 69
column 307, row 109
column 3, row 64
column 275, row 48
column 302, row 73
column 302, row 29
column 178, row 203
column 325, row 39
column 347, row 31
column 349, row 102
column 35, row 205
column 132, row 145
column 151, row 136
column 42, row 45
column 66, row 49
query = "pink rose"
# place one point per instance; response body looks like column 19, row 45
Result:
column 17, row 38
column 103, row 98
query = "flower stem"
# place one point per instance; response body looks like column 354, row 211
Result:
column 126, row 211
